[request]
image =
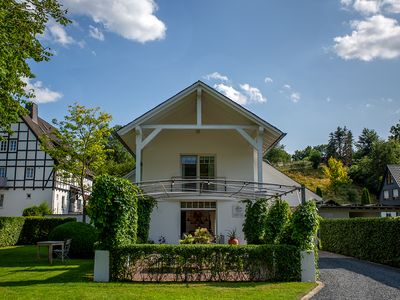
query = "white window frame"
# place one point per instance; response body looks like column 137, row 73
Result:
column 12, row 146
column 30, row 173
column 3, row 172
column 395, row 193
column 3, row 146
column 386, row 194
column 2, row 200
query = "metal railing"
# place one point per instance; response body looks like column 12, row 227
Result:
column 222, row 187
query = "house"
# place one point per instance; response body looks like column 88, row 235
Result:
column 27, row 174
column 389, row 191
column 200, row 154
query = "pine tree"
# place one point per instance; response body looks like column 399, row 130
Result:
column 365, row 197
column 318, row 191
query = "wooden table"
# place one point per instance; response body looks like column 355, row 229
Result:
column 50, row 245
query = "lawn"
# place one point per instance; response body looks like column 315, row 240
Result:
column 22, row 276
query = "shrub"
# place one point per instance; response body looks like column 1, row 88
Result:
column 201, row 236
column 83, row 238
column 277, row 219
column 113, row 211
column 10, row 230
column 318, row 191
column 305, row 224
column 373, row 239
column 145, row 207
column 254, row 223
column 41, row 210
column 365, row 197
column 205, row 263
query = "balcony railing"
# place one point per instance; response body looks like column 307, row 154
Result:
column 3, row 182
column 220, row 187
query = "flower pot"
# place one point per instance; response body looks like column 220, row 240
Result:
column 233, row 242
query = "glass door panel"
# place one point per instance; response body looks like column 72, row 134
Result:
column 189, row 171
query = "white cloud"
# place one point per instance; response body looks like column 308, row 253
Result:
column 268, row 80
column 96, row 33
column 57, row 33
column 132, row 19
column 253, row 93
column 328, row 99
column 295, row 97
column 231, row 93
column 287, row 86
column 375, row 37
column 368, row 105
column 41, row 94
column 369, row 7
column 216, row 76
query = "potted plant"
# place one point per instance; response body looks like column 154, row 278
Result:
column 233, row 240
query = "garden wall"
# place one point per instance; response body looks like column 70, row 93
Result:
column 373, row 239
column 27, row 230
column 205, row 263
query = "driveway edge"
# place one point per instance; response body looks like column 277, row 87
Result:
column 314, row 291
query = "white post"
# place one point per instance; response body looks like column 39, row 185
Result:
column 308, row 271
column 260, row 140
column 101, row 266
column 138, row 154
column 198, row 107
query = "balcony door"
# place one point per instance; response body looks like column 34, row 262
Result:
column 195, row 167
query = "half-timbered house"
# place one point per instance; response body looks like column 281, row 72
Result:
column 27, row 174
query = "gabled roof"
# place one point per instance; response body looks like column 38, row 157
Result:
column 278, row 134
column 395, row 171
column 41, row 128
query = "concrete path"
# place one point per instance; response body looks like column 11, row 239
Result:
column 350, row 278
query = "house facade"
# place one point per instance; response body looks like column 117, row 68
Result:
column 200, row 155
column 390, row 187
column 27, row 174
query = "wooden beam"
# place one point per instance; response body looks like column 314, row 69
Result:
column 194, row 126
column 260, row 140
column 247, row 137
column 150, row 137
column 138, row 153
column 199, row 107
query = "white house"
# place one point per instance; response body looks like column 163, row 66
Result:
column 27, row 175
column 200, row 154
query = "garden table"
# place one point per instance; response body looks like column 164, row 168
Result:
column 50, row 245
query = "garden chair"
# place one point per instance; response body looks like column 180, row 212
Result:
column 59, row 253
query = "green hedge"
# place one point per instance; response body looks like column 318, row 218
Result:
column 373, row 239
column 205, row 263
column 10, row 230
column 27, row 230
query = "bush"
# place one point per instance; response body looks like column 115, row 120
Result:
column 113, row 211
column 38, row 211
column 365, row 197
column 318, row 191
column 10, row 230
column 205, row 263
column 373, row 239
column 254, row 223
column 277, row 220
column 38, row 228
column 201, row 236
column 83, row 238
column 145, row 207
column 305, row 224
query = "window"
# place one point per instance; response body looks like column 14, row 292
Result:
column 395, row 193
column 64, row 204
column 197, row 167
column 3, row 146
column 385, row 194
column 29, row 173
column 1, row 200
column 13, row 146
column 3, row 172
column 389, row 179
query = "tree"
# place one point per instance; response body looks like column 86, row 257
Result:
column 79, row 146
column 340, row 145
column 395, row 132
column 21, row 23
column 119, row 160
column 366, row 141
column 337, row 173
column 315, row 157
column 278, row 155
column 302, row 154
column 318, row 191
column 365, row 197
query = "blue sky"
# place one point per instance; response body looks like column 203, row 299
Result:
column 304, row 66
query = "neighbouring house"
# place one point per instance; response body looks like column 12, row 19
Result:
column 199, row 154
column 27, row 174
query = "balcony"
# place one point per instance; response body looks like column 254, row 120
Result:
column 3, row 182
column 217, row 187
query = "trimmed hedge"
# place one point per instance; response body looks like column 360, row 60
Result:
column 372, row 239
column 83, row 238
column 205, row 263
column 10, row 230
column 27, row 230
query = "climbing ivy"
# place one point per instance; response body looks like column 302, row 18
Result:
column 145, row 207
column 254, row 223
column 277, row 219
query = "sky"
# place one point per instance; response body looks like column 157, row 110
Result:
column 306, row 67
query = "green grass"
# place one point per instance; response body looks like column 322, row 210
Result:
column 22, row 276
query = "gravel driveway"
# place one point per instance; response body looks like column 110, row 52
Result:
column 350, row 278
